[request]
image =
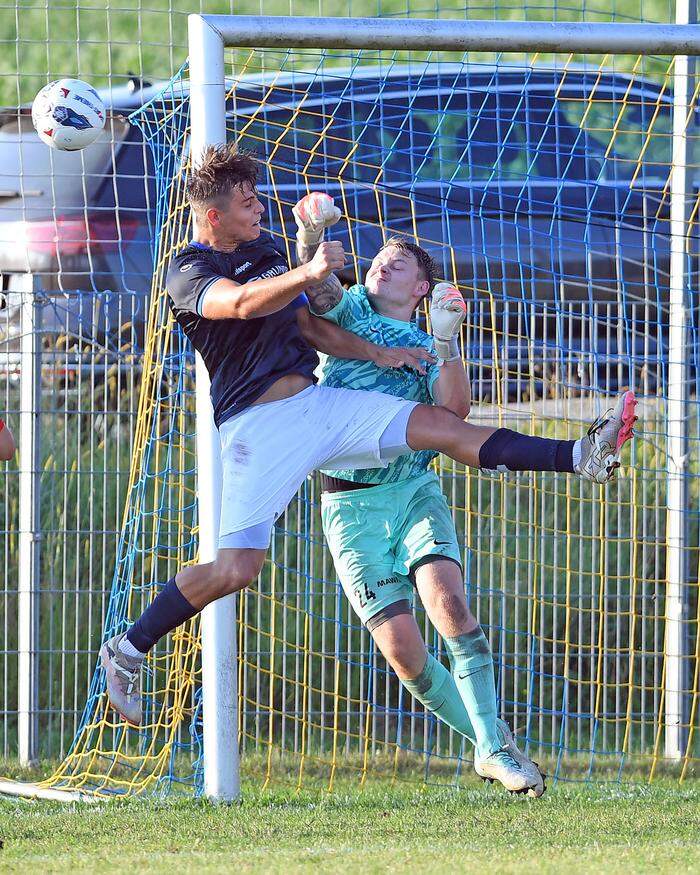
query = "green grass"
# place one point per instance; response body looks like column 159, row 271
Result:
column 572, row 828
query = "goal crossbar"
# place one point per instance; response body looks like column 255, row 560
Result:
column 460, row 36
column 208, row 37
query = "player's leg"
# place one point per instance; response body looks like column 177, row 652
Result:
column 440, row 587
column 357, row 525
column 424, row 677
column 594, row 456
column 252, row 498
column 497, row 757
column 427, row 546
column 183, row 596
column 377, row 428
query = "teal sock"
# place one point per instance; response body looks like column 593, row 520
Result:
column 435, row 688
column 472, row 669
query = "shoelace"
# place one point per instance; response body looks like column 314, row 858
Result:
column 598, row 425
column 504, row 754
column 131, row 676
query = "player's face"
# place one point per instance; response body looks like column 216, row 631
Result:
column 239, row 220
column 394, row 278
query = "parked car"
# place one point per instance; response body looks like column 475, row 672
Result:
column 516, row 168
column 513, row 167
column 81, row 223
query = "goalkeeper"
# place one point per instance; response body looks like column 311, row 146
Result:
column 390, row 529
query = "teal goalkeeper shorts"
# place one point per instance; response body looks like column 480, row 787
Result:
column 380, row 535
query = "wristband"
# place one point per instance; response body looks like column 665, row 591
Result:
column 2, row 424
column 447, row 350
column 307, row 237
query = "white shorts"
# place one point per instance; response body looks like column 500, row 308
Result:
column 268, row 450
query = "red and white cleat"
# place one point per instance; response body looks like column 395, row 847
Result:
column 600, row 448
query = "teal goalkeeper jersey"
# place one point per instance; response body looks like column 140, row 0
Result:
column 355, row 313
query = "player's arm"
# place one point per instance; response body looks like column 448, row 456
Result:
column 225, row 299
column 313, row 214
column 7, row 443
column 451, row 389
column 331, row 339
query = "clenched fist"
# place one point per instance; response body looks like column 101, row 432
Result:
column 328, row 257
column 313, row 214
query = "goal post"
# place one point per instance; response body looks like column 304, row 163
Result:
column 219, row 652
column 208, row 37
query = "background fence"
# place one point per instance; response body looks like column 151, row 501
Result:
column 73, row 331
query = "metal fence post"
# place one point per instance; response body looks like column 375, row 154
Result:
column 29, row 520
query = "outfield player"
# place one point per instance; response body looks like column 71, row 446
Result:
column 237, row 301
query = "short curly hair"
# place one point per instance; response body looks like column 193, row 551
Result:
column 426, row 266
column 220, row 171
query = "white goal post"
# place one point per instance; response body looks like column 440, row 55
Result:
column 208, row 36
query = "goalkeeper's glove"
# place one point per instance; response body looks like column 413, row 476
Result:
column 447, row 312
column 313, row 214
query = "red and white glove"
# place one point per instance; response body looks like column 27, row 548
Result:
column 313, row 214
column 447, row 312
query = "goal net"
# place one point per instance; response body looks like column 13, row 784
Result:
column 541, row 184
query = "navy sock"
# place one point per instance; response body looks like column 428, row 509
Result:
column 511, row 451
column 167, row 611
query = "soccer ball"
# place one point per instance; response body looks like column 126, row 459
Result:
column 68, row 114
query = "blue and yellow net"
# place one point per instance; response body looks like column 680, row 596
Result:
column 541, row 186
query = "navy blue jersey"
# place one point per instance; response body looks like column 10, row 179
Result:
column 244, row 357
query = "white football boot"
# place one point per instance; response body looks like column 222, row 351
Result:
column 123, row 675
column 600, row 448
column 510, row 766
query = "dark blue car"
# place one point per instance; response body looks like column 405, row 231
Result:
column 514, row 168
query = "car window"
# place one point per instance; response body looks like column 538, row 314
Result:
column 634, row 128
column 448, row 132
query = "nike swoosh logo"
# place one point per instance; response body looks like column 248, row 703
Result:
column 441, row 543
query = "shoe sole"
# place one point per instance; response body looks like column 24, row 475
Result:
column 104, row 659
column 526, row 791
column 628, row 421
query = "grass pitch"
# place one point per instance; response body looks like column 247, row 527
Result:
column 573, row 828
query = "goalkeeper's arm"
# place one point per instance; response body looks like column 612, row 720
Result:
column 447, row 312
column 313, row 214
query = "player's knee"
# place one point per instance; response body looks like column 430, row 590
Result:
column 407, row 662
column 234, row 574
column 448, row 424
column 432, row 428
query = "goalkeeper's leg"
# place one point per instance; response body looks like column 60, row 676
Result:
column 497, row 757
column 425, row 678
